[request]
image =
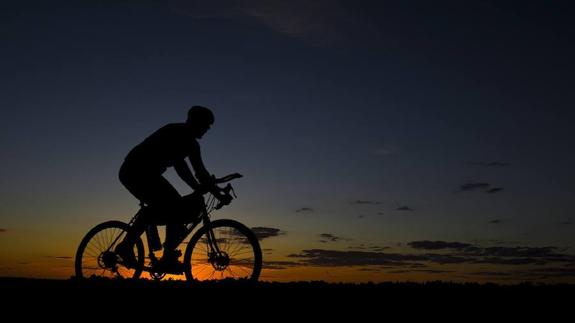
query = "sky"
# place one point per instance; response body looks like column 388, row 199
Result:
column 379, row 140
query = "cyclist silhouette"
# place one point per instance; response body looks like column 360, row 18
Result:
column 141, row 173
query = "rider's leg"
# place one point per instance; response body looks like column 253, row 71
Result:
column 167, row 200
column 174, row 235
column 141, row 186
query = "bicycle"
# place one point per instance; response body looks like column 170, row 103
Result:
column 219, row 249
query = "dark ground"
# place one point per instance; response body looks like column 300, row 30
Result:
column 105, row 299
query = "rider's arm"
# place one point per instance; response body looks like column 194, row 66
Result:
column 204, row 176
column 200, row 170
column 185, row 173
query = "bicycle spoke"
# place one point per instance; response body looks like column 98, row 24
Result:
column 236, row 255
column 96, row 257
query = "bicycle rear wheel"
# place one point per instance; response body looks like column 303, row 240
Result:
column 240, row 254
column 95, row 256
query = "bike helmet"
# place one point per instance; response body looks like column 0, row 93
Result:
column 199, row 114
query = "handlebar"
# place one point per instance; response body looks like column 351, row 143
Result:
column 228, row 192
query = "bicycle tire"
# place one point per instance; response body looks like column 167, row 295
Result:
column 95, row 256
column 236, row 240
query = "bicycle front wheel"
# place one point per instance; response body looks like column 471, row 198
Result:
column 239, row 256
column 95, row 256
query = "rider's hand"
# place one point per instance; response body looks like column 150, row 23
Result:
column 225, row 199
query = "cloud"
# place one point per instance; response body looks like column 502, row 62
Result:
column 471, row 186
column 305, row 209
column 496, row 221
column 510, row 261
column 320, row 22
column 316, row 22
column 552, row 272
column 458, row 252
column 428, row 271
column 447, row 259
column 541, row 252
column 371, row 269
column 490, row 164
column 364, row 202
column 378, row 249
column 322, row 257
column 328, row 237
column 363, row 246
column 492, row 273
column 63, row 257
column 2, row 230
column 267, row 251
column 280, row 264
column 478, row 186
column 264, row 232
column 468, row 249
column 404, row 208
column 450, row 253
column 437, row 245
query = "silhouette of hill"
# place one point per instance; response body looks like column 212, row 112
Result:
column 328, row 298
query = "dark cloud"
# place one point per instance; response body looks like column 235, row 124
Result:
column 370, row 247
column 305, row 209
column 489, row 164
column 319, row 22
column 2, row 230
column 443, row 259
column 371, row 269
column 471, row 186
column 551, row 272
column 437, row 245
column 450, row 253
column 399, row 271
column 322, row 257
column 510, row 261
column 428, row 271
column 539, row 252
column 478, row 186
column 360, row 247
column 468, row 249
column 63, row 257
column 379, row 249
column 404, row 208
column 459, row 252
column 328, row 237
column 280, row 264
column 491, row 273
column 264, row 232
column 380, row 213
column 365, row 202
column 496, row 221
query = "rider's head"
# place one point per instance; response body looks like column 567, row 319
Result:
column 200, row 119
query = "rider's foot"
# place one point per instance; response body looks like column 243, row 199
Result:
column 126, row 251
column 169, row 263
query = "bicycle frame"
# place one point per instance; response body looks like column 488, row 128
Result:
column 204, row 218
